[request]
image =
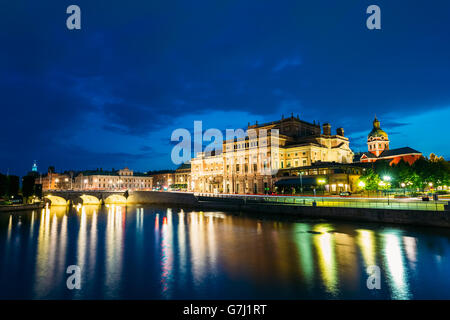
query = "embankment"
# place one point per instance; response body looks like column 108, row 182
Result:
column 21, row 207
column 408, row 217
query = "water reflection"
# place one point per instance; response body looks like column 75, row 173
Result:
column 190, row 254
column 366, row 242
column 303, row 240
column 393, row 255
column 166, row 255
column 113, row 260
column 324, row 242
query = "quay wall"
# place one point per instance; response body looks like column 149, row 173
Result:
column 408, row 217
column 21, row 207
column 156, row 197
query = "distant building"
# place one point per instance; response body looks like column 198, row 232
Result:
column 330, row 176
column 162, row 180
column 378, row 146
column 183, row 176
column 113, row 180
column 53, row 180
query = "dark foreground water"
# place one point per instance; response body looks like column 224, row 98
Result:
column 159, row 253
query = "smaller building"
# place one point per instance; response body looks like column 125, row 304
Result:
column 329, row 177
column 378, row 146
column 113, row 180
column 182, row 177
column 163, row 179
column 53, row 180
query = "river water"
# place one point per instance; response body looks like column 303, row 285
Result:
column 149, row 252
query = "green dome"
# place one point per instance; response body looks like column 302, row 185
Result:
column 377, row 132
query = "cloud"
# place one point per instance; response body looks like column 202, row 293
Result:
column 135, row 72
column 285, row 63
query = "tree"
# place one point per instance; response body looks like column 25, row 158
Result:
column 435, row 158
column 371, row 179
column 3, row 185
column 13, row 185
column 27, row 186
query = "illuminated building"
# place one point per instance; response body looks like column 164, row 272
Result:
column 182, row 176
column 378, row 146
column 113, row 180
column 249, row 164
column 53, row 180
column 162, row 180
column 336, row 177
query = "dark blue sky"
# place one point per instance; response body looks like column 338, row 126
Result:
column 110, row 94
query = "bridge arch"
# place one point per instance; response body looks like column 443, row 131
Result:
column 56, row 201
column 116, row 199
column 86, row 199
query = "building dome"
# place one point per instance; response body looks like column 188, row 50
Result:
column 377, row 132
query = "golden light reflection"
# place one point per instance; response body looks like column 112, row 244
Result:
column 82, row 240
column 62, row 244
column 324, row 244
column 348, row 274
column 393, row 256
column 8, row 235
column 43, row 278
column 114, row 247
column 197, row 241
column 93, row 240
column 182, row 246
column 366, row 242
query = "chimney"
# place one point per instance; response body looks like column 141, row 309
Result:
column 327, row 129
column 340, row 131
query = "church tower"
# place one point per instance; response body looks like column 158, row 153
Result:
column 377, row 140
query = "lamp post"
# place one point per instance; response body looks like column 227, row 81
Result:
column 301, row 182
column 362, row 184
column 385, row 181
column 322, row 183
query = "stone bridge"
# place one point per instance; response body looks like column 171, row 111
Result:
column 85, row 197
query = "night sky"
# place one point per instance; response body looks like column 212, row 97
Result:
column 110, row 95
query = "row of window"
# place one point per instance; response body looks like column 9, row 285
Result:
column 289, row 163
column 380, row 145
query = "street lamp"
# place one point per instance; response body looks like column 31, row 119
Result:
column 404, row 189
column 321, row 182
column 301, row 182
column 385, row 183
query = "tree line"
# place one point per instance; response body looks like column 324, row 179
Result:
column 424, row 173
column 10, row 186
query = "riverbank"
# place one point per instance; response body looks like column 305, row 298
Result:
column 21, row 207
column 405, row 217
column 377, row 215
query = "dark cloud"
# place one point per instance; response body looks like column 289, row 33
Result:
column 143, row 66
